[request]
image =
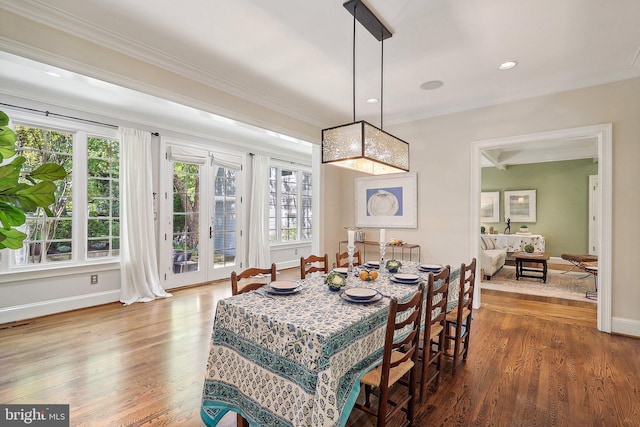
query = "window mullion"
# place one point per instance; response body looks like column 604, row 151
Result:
column 80, row 174
column 299, row 206
column 278, row 205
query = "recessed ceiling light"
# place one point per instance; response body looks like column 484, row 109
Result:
column 432, row 85
column 372, row 101
column 52, row 74
column 507, row 65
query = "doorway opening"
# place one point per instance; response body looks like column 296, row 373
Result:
column 602, row 135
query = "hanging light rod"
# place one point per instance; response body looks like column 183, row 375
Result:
column 367, row 19
column 359, row 145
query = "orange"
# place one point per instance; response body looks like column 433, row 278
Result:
column 374, row 275
column 363, row 275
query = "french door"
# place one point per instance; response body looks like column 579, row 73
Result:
column 201, row 212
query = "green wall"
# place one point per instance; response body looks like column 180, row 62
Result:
column 562, row 199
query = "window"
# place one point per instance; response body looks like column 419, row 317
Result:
column 49, row 238
column 290, row 206
column 103, row 197
column 84, row 224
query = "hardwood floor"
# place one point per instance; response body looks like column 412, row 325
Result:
column 534, row 361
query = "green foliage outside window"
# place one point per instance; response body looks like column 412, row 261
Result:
column 26, row 185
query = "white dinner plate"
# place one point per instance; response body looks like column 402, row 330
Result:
column 406, row 277
column 372, row 264
column 431, row 267
column 361, row 293
column 346, row 297
column 405, row 282
column 341, row 270
column 283, row 285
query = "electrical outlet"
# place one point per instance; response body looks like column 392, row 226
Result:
column 295, row 252
column 94, row 279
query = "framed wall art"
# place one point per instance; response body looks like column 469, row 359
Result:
column 520, row 206
column 389, row 201
column 490, row 206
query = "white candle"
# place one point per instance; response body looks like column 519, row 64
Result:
column 350, row 233
column 382, row 237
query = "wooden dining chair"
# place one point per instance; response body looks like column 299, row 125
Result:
column 342, row 259
column 399, row 358
column 313, row 263
column 432, row 337
column 458, row 327
column 250, row 273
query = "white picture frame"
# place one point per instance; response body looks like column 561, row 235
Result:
column 490, row 206
column 389, row 201
column 520, row 206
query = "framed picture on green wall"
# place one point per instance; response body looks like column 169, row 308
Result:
column 490, row 206
column 520, row 206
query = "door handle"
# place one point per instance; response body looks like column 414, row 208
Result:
column 210, row 232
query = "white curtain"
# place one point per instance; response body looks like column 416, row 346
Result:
column 139, row 277
column 258, row 237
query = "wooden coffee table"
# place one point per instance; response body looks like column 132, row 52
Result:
column 523, row 258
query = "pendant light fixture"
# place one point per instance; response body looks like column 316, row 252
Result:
column 360, row 145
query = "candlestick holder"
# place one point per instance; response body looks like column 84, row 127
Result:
column 350, row 251
column 383, row 249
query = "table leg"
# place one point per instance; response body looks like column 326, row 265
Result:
column 544, row 271
column 518, row 268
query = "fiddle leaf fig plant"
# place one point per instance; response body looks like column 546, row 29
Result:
column 21, row 192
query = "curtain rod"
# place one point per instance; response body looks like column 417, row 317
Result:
column 64, row 116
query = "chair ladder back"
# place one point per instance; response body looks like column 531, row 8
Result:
column 467, row 284
column 310, row 265
column 464, row 315
column 248, row 274
column 342, row 259
column 401, row 316
column 436, row 302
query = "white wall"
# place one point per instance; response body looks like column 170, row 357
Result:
column 440, row 154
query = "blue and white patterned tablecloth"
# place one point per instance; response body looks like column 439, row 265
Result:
column 296, row 360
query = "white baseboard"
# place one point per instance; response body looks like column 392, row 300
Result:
column 43, row 308
column 288, row 264
column 625, row 326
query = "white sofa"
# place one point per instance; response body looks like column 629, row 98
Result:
column 492, row 257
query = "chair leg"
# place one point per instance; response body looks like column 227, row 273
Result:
column 467, row 338
column 383, row 402
column 440, row 357
column 367, row 396
column 456, row 349
column 241, row 422
column 411, row 408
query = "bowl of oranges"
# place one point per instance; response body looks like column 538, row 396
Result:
column 368, row 276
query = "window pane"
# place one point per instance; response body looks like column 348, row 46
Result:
column 45, row 234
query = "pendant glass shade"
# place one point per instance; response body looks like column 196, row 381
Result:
column 360, row 145
column 366, row 148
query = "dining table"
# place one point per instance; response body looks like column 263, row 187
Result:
column 296, row 359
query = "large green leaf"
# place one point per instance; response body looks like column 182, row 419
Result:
column 49, row 172
column 7, row 143
column 4, row 119
column 11, row 239
column 10, row 216
column 39, row 195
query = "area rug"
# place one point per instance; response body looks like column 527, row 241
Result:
column 560, row 284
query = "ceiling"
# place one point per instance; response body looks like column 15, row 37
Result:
column 296, row 56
